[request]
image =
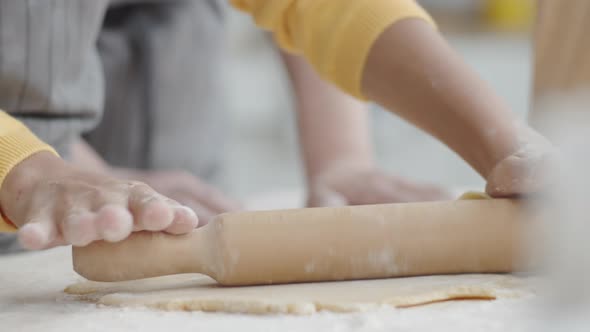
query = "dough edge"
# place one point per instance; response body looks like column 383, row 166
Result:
column 123, row 294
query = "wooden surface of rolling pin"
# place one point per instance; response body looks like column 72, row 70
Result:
column 321, row 244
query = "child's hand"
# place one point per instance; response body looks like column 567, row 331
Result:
column 53, row 203
column 528, row 170
column 368, row 185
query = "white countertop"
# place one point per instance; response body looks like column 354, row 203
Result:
column 31, row 300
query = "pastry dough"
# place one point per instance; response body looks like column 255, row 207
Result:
column 193, row 292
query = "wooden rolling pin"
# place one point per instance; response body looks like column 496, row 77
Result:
column 323, row 244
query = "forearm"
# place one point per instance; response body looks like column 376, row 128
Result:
column 333, row 127
column 412, row 71
column 336, row 44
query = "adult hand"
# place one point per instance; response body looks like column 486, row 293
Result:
column 54, row 203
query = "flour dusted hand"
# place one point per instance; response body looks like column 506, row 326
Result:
column 53, row 203
column 529, row 169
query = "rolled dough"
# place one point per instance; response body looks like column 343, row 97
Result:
column 193, row 292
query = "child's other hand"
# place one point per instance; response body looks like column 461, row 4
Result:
column 367, row 185
column 52, row 203
column 528, row 170
column 185, row 188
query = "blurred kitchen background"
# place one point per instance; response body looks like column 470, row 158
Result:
column 492, row 35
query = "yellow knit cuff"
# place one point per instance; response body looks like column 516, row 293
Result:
column 335, row 36
column 17, row 143
column 356, row 36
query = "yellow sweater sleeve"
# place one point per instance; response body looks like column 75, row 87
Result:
column 17, row 143
column 335, row 36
